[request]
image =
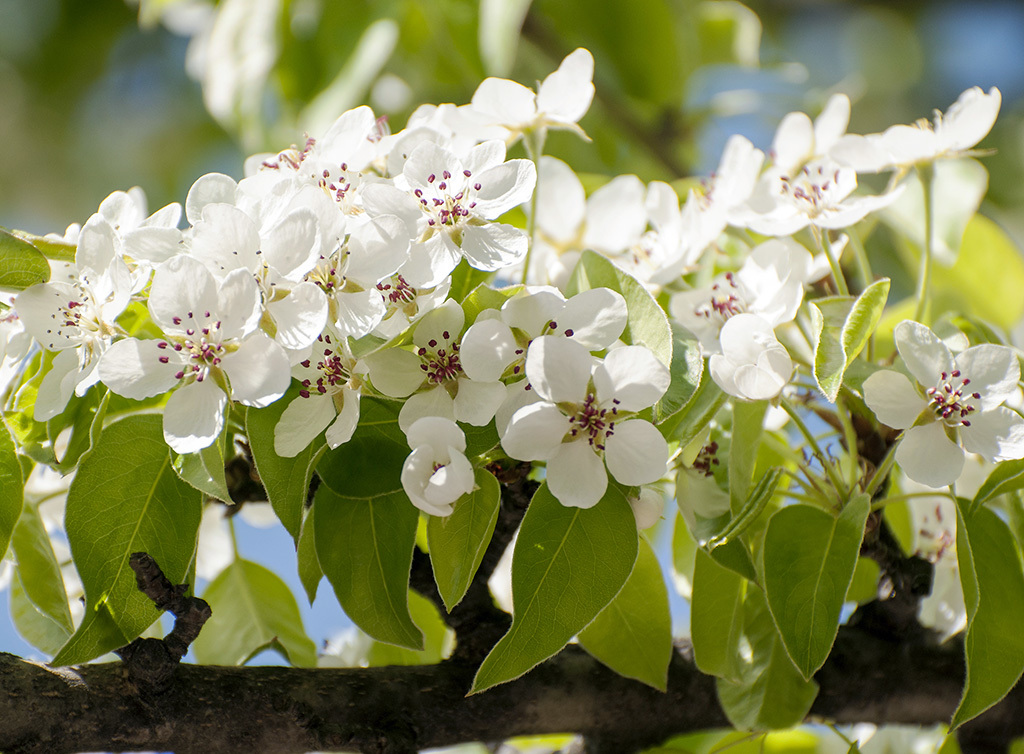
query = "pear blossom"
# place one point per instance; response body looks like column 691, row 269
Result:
column 561, row 100
column 449, row 208
column 154, row 238
column 332, row 380
column 437, row 473
column 583, row 422
column 798, row 141
column 753, row 365
column 213, row 351
column 956, row 406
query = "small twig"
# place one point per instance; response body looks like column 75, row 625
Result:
column 152, row 661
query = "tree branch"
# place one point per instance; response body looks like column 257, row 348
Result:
column 402, row 709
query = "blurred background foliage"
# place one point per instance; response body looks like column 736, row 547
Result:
column 99, row 95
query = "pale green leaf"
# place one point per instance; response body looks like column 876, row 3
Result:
column 364, row 546
column 253, row 609
column 21, row 263
column 747, row 422
column 286, row 480
column 11, row 492
column 58, row 250
column 39, row 572
column 687, row 369
column 646, row 323
column 993, row 585
column 809, row 559
column 204, row 469
column 568, row 564
column 85, row 418
column 310, row 572
column 751, row 508
column 1007, row 476
column 716, row 617
column 457, row 542
column 684, row 551
column 686, row 424
column 633, row 634
column 36, row 627
column 125, row 498
column 842, row 326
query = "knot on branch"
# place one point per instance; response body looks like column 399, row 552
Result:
column 153, row 661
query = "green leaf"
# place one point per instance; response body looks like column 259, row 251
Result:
column 379, row 444
column 204, row 470
column 364, row 546
column 716, row 617
column 770, row 692
column 1007, row 476
column 687, row 368
column 568, row 564
column 684, row 551
column 864, row 586
column 125, row 498
column 253, row 609
column 435, row 638
column 751, row 508
column 646, row 323
column 11, row 488
column 729, row 33
column 310, row 571
column 35, row 626
column 39, row 572
column 747, row 424
column 21, row 263
column 58, row 250
column 457, row 542
column 86, row 425
column 469, row 287
column 686, row 424
column 842, row 326
column 809, row 560
column 633, row 634
column 734, row 555
column 993, row 584
column 500, row 24
column 286, row 480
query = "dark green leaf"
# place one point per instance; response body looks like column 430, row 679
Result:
column 457, row 542
column 809, row 559
column 993, row 584
column 253, row 609
column 370, row 464
column 633, row 634
column 310, row 571
column 435, row 635
column 364, row 546
column 734, row 555
column 286, row 480
column 21, row 263
column 126, row 498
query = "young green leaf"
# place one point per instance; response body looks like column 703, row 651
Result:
column 378, row 444
column 568, row 565
column 687, row 368
column 1007, row 476
column 716, row 617
column 11, row 488
column 646, row 324
column 993, row 584
column 125, row 498
column 204, row 469
column 253, row 609
column 39, row 573
column 809, row 559
column 687, row 423
column 86, row 424
column 310, row 572
column 842, row 326
column 747, row 422
column 364, row 546
column 457, row 542
column 21, row 263
column 633, row 634
column 286, row 480
column 751, row 508
column 35, row 626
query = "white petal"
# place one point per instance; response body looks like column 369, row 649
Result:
column 154, row 244
column 300, row 316
column 893, row 398
column 476, row 402
column 576, row 476
column 238, row 305
column 226, row 239
column 561, row 201
column 441, row 325
column 358, row 313
column 505, row 102
column 503, row 187
column 342, row 429
column 494, row 246
column 488, row 347
column 416, row 471
column 925, row 355
column 633, row 377
column 301, row 422
column 616, row 216
column 559, row 369
column 180, row 285
column 57, row 386
column 194, row 416
column 927, row 456
column 450, row 482
column 794, row 141
column 970, row 118
column 437, row 433
column 533, row 310
column 596, row 317
column 132, row 368
column 378, row 248
column 95, row 245
column 993, row 371
column 636, row 453
column 535, row 432
column 434, row 403
column 209, row 189
column 566, row 94
column 292, row 246
column 259, row 371
column 431, row 262
column 997, row 434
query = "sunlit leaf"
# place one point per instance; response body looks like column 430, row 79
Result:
column 21, row 263
column 716, row 619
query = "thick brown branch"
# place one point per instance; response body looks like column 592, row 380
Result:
column 398, row 709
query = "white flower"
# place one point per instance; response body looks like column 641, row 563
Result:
column 798, row 141
column 753, row 364
column 561, row 100
column 583, row 421
column 449, row 206
column 436, row 473
column 960, row 403
column 154, row 238
column 214, row 350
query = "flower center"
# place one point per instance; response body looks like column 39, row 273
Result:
column 440, row 364
column 816, row 188
column 592, row 422
column 335, row 371
column 398, row 291
column 950, row 401
column 451, row 203
column 201, row 347
column 726, row 301
column 706, row 458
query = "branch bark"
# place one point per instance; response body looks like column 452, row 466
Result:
column 402, row 709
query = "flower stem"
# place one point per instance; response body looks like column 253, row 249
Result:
column 833, row 263
column 534, row 143
column 883, row 470
column 926, row 173
column 830, row 471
